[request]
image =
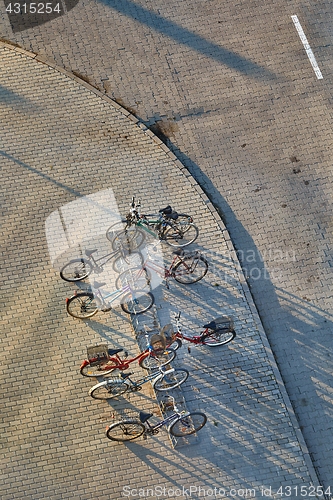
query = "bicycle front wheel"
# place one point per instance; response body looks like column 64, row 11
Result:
column 137, row 302
column 83, row 305
column 137, row 278
column 218, row 337
column 76, row 270
column 180, row 235
column 125, row 430
column 174, row 344
column 153, row 361
column 190, row 269
column 123, row 236
column 171, row 380
column 109, row 389
column 133, row 259
column 189, row 424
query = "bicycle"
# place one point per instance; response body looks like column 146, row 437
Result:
column 179, row 424
column 219, row 331
column 79, row 269
column 175, row 229
column 84, row 305
column 102, row 361
column 163, row 380
column 186, row 268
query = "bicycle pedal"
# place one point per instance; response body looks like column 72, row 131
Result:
column 106, row 310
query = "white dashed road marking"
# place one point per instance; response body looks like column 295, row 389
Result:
column 307, row 47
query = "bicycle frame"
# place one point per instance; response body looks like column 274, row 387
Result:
column 117, row 362
column 165, row 421
column 136, row 384
column 163, row 271
column 107, row 258
column 114, row 295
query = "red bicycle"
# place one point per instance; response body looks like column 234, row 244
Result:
column 102, row 360
column 218, row 332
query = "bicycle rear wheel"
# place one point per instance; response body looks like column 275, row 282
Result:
column 171, row 380
column 83, row 305
column 218, row 337
column 154, row 361
column 125, row 430
column 180, row 235
column 184, row 426
column 76, row 270
column 109, row 389
column 190, row 269
column 137, row 302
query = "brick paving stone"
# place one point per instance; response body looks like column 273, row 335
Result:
column 60, row 145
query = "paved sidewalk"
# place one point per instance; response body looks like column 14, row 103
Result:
column 63, row 141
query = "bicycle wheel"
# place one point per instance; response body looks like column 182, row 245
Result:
column 190, row 269
column 171, row 380
column 218, row 337
column 174, row 344
column 184, row 426
column 133, row 259
column 109, row 389
column 153, row 361
column 122, row 235
column 76, row 270
column 83, row 305
column 97, row 369
column 180, row 235
column 128, row 239
column 137, row 278
column 137, row 302
column 125, row 430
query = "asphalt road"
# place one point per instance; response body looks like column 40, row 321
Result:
column 230, row 87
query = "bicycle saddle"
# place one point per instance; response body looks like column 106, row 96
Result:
column 111, row 352
column 98, row 285
column 179, row 252
column 90, row 252
column 173, row 216
column 144, row 416
column 125, row 375
column 166, row 210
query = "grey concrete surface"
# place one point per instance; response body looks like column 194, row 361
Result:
column 231, row 86
column 64, row 146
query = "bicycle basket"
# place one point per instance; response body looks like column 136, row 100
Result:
column 224, row 323
column 158, row 342
column 168, row 333
column 98, row 354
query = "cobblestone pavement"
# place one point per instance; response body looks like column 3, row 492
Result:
column 230, row 86
column 64, row 149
